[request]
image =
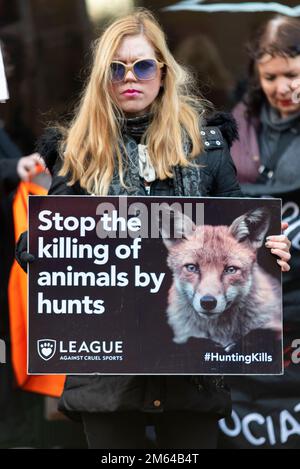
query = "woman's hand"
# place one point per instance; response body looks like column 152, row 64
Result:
column 280, row 246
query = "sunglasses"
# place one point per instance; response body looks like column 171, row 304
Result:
column 142, row 69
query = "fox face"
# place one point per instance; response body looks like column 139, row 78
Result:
column 219, row 291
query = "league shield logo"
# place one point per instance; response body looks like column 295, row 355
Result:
column 46, row 348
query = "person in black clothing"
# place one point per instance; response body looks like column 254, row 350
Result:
column 136, row 132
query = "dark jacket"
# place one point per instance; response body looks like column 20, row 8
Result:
column 216, row 177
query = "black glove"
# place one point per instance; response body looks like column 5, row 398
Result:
column 22, row 256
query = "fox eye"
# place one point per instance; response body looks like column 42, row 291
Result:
column 230, row 269
column 192, row 268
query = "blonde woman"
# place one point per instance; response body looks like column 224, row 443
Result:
column 138, row 98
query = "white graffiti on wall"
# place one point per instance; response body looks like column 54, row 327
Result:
column 250, row 424
column 243, row 7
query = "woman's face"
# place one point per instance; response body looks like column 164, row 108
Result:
column 280, row 79
column 135, row 96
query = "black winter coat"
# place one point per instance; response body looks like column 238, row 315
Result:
column 96, row 393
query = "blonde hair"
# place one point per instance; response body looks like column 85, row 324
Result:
column 93, row 145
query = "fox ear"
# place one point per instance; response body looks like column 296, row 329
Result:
column 175, row 225
column 251, row 227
